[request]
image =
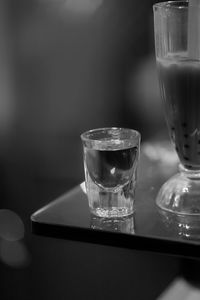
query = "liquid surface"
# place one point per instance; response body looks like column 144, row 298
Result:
column 180, row 87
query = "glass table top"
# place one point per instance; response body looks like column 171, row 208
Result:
column 148, row 229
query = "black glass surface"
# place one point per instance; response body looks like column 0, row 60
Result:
column 147, row 229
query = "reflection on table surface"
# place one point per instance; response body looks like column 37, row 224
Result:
column 123, row 225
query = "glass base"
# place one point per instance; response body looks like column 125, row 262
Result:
column 111, row 204
column 181, row 193
column 112, row 212
column 181, row 226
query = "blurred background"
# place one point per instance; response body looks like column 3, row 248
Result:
column 66, row 66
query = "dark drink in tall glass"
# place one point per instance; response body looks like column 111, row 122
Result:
column 180, row 86
column 177, row 48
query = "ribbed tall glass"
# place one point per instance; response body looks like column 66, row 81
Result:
column 178, row 64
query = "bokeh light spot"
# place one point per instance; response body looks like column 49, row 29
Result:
column 14, row 254
column 11, row 226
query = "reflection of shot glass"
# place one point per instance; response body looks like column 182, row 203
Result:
column 121, row 225
column 110, row 163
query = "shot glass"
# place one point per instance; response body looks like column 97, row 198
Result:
column 110, row 163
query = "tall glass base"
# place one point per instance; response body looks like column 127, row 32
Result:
column 181, row 193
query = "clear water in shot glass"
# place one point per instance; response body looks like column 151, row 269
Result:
column 110, row 160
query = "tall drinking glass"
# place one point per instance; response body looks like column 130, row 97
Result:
column 179, row 77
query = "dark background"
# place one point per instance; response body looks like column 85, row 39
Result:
column 66, row 67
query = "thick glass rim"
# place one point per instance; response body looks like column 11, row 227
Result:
column 176, row 5
column 87, row 135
